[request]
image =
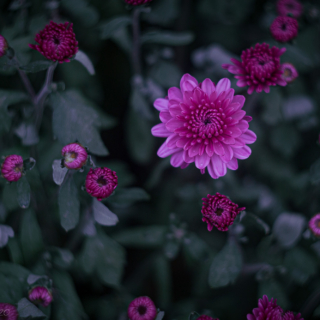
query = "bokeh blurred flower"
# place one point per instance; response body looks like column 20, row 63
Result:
column 8, row 312
column 101, row 182
column 204, row 124
column 314, row 224
column 57, row 42
column 259, row 69
column 219, row 211
column 40, row 295
column 289, row 7
column 3, row 46
column 137, row 2
column 205, row 317
column 75, row 156
column 142, row 308
column 284, row 29
column 12, row 168
column 289, row 72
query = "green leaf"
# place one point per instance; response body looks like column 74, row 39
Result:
column 37, row 66
column 272, row 288
column 30, row 236
column 128, row 196
column 111, row 26
column 28, row 134
column 163, row 12
column 62, row 258
column 167, row 74
column 168, row 38
column 140, row 104
column 76, row 119
column 5, row 233
column 171, row 248
column 15, row 250
column 225, row 266
column 28, row 164
column 33, row 278
column 196, row 247
column 85, row 61
column 14, row 270
column 103, row 215
column 288, row 229
column 160, row 315
column 9, row 197
column 58, row 172
column 69, row 205
column 12, row 290
column 23, row 192
column 259, row 222
column 142, row 237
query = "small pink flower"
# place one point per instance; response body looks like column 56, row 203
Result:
column 8, row 312
column 101, row 182
column 218, row 211
column 314, row 224
column 289, row 7
column 75, row 155
column 3, row 46
column 289, row 72
column 205, row 317
column 142, row 308
column 137, row 2
column 204, row 124
column 284, row 29
column 40, row 295
column 12, row 168
column 57, row 42
column 259, row 69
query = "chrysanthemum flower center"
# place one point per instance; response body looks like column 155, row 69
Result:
column 283, row 27
column 18, row 168
column 317, row 223
column 142, row 310
column 287, row 72
column 101, row 181
column 56, row 41
column 219, row 212
column 70, row 156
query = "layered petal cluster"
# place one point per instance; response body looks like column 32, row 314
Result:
column 12, row 168
column 289, row 7
column 75, row 156
column 204, row 124
column 57, row 42
column 3, row 46
column 284, row 29
column 290, row 73
column 205, row 317
column 137, row 2
column 142, row 308
column 219, row 211
column 8, row 312
column 100, row 182
column 259, row 69
column 314, row 225
column 269, row 310
column 40, row 295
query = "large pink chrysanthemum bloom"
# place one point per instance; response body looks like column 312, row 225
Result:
column 284, row 29
column 57, row 42
column 290, row 73
column 8, row 312
column 219, row 211
column 40, row 295
column 3, row 46
column 142, row 308
column 259, row 69
column 137, row 2
column 205, row 317
column 101, row 182
column 289, row 7
column 12, row 168
column 204, row 124
column 314, row 225
column 75, row 156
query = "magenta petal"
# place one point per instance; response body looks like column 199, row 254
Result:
column 172, row 140
column 228, row 154
column 186, row 157
column 211, row 171
column 207, row 86
column 223, row 85
column 191, row 79
column 161, row 104
column 164, row 116
column 160, row 130
column 248, row 137
column 175, row 94
column 174, row 124
column 202, row 161
column 194, row 150
column 242, row 153
column 177, row 159
column 238, row 115
column 233, row 164
column 219, row 166
column 239, row 99
column 188, row 86
column 164, row 151
column 218, row 149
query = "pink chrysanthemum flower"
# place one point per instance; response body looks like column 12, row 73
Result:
column 289, row 72
column 137, row 2
column 284, row 29
column 205, row 317
column 12, row 168
column 259, row 69
column 8, row 312
column 314, row 224
column 3, row 46
column 218, row 211
column 289, row 7
column 75, row 155
column 101, row 182
column 204, row 124
column 40, row 295
column 142, row 308
column 57, row 42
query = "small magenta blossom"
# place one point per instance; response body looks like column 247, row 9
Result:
column 75, row 156
column 8, row 312
column 259, row 69
column 101, row 182
column 219, row 211
column 3, row 46
column 12, row 168
column 290, row 7
column 57, row 42
column 205, row 317
column 137, row 2
column 142, row 308
column 290, row 73
column 314, row 223
column 284, row 29
column 204, row 124
column 40, row 295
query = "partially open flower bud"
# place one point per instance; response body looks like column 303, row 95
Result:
column 3, row 46
column 8, row 312
column 75, row 156
column 40, row 295
column 12, row 168
column 142, row 308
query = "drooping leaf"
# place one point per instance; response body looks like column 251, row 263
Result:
column 168, row 38
column 103, row 215
column 27, row 133
column 85, row 61
column 128, row 196
column 109, row 27
column 23, row 192
column 6, row 232
column 37, row 66
column 58, row 172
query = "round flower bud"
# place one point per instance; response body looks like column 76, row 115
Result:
column 12, row 168
column 289, row 72
column 3, row 46
column 75, row 156
column 284, row 29
column 8, row 312
column 40, row 295
column 142, row 308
